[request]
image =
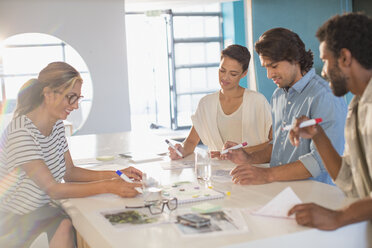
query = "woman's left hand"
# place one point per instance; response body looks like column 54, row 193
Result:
column 132, row 172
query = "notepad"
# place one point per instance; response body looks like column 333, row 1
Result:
column 187, row 192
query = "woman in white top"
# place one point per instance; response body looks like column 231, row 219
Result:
column 231, row 114
column 34, row 158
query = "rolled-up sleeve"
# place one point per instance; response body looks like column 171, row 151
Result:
column 312, row 163
column 344, row 178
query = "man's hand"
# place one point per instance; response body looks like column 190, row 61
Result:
column 237, row 156
column 313, row 215
column 305, row 132
column 250, row 175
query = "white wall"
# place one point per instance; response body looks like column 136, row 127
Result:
column 96, row 29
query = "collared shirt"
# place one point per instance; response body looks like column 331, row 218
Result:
column 352, row 177
column 311, row 97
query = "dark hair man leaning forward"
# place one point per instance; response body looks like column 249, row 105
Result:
column 300, row 92
column 345, row 48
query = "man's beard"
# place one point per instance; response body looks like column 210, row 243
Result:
column 338, row 81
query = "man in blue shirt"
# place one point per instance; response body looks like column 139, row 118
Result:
column 300, row 92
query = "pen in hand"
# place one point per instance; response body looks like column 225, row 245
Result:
column 234, row 147
column 307, row 123
column 172, row 146
column 128, row 180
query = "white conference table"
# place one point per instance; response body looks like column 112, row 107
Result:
column 263, row 231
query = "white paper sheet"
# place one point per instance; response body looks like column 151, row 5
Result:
column 141, row 157
column 280, row 204
column 187, row 162
column 221, row 176
column 86, row 162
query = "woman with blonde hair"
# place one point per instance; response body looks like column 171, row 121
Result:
column 34, row 159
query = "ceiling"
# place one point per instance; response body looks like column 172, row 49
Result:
column 145, row 5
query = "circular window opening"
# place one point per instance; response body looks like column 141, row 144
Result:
column 23, row 56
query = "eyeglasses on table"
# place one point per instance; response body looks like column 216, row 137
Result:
column 157, row 207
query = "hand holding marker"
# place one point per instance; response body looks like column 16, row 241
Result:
column 128, row 180
column 234, row 147
column 304, row 124
column 174, row 148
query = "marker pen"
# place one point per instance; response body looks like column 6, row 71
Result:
column 304, row 124
column 234, row 147
column 124, row 177
column 172, row 146
column 128, row 180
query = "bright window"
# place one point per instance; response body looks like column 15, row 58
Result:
column 173, row 61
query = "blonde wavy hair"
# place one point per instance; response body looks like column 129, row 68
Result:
column 58, row 76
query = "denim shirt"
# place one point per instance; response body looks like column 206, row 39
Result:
column 312, row 97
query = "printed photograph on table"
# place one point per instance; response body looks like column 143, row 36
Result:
column 129, row 218
column 221, row 222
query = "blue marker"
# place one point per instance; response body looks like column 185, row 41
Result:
column 124, row 177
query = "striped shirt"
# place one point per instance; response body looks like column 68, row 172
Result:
column 20, row 143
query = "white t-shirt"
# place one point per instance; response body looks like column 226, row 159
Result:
column 230, row 126
column 20, row 143
column 255, row 121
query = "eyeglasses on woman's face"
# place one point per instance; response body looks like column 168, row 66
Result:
column 157, row 207
column 72, row 97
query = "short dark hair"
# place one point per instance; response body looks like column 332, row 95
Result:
column 280, row 44
column 239, row 53
column 352, row 31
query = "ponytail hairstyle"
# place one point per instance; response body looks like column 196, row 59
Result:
column 58, row 76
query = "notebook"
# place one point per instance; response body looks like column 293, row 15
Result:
column 187, row 192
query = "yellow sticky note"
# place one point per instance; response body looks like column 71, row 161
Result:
column 105, row 158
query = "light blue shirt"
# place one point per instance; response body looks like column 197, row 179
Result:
column 312, row 97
